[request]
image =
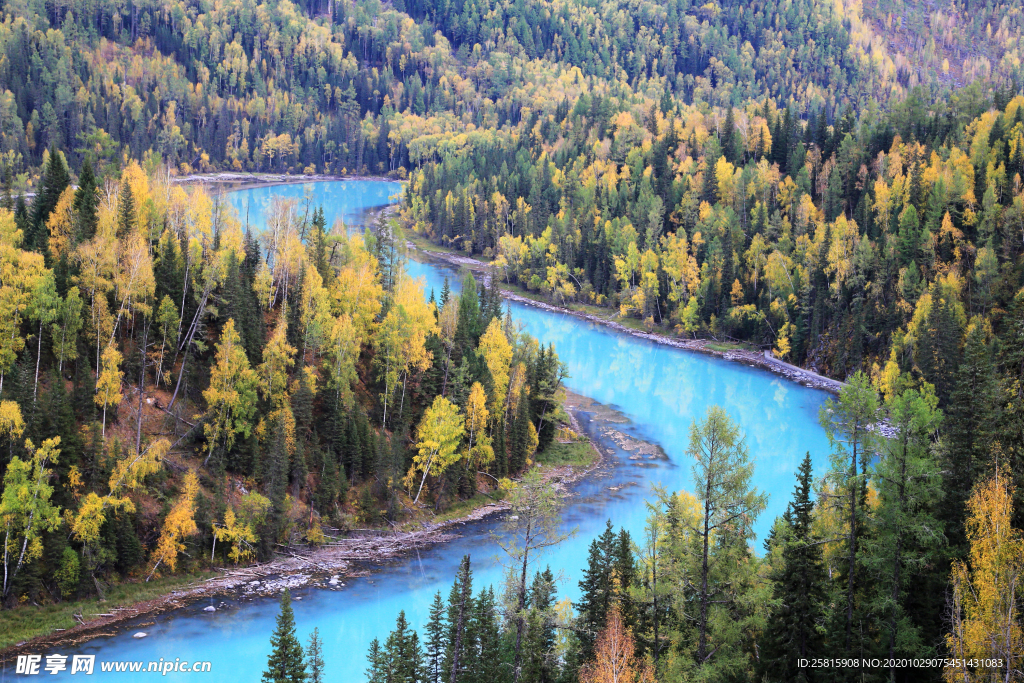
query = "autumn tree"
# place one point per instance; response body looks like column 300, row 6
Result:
column 616, row 660
column 179, row 523
column 985, row 605
column 26, row 509
column 438, row 437
column 108, row 385
column 231, row 396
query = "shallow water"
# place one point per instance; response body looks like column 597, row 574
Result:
column 656, row 390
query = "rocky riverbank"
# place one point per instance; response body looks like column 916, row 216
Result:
column 327, row 567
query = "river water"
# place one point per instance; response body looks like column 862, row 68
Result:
column 652, row 392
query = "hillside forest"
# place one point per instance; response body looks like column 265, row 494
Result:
column 837, row 183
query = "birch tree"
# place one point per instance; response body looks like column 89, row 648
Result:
column 26, row 510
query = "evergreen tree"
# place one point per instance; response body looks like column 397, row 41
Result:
column 596, row 592
column 126, row 210
column 906, row 535
column 847, row 424
column 970, row 428
column 798, row 582
column 315, row 657
column 460, row 608
column 86, row 203
column 436, row 642
column 285, row 663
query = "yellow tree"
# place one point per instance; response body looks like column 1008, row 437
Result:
column 25, row 507
column 240, row 529
column 315, row 313
column 278, row 358
column 108, row 386
column 401, row 338
column 231, row 396
column 478, row 448
column 127, row 475
column 616, row 660
column 61, row 224
column 986, row 602
column 497, row 353
column 438, row 437
column 179, row 523
column 341, row 353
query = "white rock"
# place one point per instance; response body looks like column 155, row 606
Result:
column 211, row 608
column 140, row 634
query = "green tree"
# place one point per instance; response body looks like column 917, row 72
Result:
column 315, row 657
column 798, row 587
column 847, row 424
column 285, row 663
column 905, row 534
column 729, row 505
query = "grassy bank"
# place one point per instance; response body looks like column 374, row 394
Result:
column 29, row 621
column 574, row 453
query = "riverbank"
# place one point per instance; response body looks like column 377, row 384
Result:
column 230, row 180
column 762, row 360
column 326, row 567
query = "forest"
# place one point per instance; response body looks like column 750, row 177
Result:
column 836, row 183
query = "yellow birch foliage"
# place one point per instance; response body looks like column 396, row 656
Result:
column 356, row 289
column 479, row 451
column 278, row 358
column 179, row 523
column 615, row 658
column 497, row 353
column 108, row 386
column 986, row 598
column 239, row 530
column 127, row 475
column 61, row 224
column 231, row 396
column 12, row 425
column 438, row 437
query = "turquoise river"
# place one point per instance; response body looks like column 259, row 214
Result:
column 658, row 389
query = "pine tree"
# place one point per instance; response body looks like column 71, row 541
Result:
column 285, row 663
column 402, row 656
column 970, row 427
column 86, row 203
column 460, row 607
column 126, row 211
column 906, row 536
column 436, row 642
column 596, row 592
column 315, row 657
column 798, row 581
column 846, row 424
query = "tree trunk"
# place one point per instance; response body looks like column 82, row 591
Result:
column 521, row 605
column 39, row 352
column 702, row 644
